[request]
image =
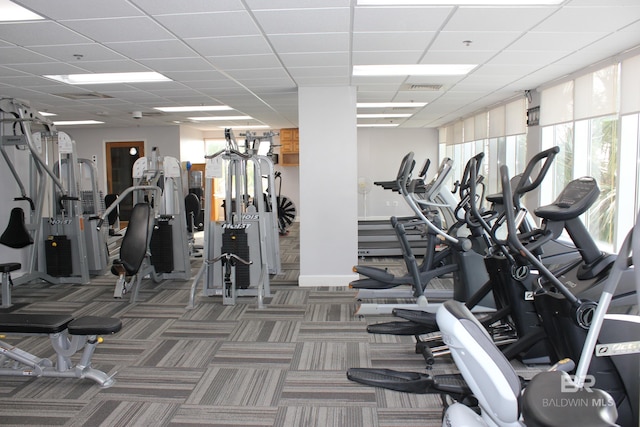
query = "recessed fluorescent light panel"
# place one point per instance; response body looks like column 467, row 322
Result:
column 383, row 116
column 245, row 127
column 77, row 122
column 46, row 114
column 458, row 2
column 194, row 108
column 413, row 70
column 377, row 125
column 390, row 104
column 107, row 78
column 219, row 118
column 10, row 11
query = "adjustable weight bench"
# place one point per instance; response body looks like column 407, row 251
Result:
column 67, row 335
column 134, row 261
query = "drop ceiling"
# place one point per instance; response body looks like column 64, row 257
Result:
column 253, row 55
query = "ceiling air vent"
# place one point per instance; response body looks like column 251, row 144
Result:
column 83, row 95
column 421, row 87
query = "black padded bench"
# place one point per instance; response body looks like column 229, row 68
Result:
column 67, row 336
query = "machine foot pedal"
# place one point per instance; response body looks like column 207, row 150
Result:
column 417, row 316
column 408, row 382
column 398, row 328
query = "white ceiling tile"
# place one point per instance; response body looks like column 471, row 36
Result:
column 565, row 41
column 177, row 64
column 224, row 46
column 241, row 62
column 518, row 19
column 526, row 57
column 296, row 4
column 16, row 55
column 68, row 9
column 309, row 43
column 416, row 96
column 123, row 66
column 377, row 19
column 322, row 81
column 388, row 57
column 155, row 7
column 153, row 49
column 315, row 59
column 296, row 21
column 599, row 19
column 89, row 52
column 341, row 71
column 233, row 51
column 480, row 40
column 39, row 33
column 119, row 30
column 459, row 56
column 258, row 73
column 48, row 68
column 389, row 41
column 237, row 23
column 11, row 72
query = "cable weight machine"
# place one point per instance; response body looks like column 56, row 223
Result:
column 241, row 251
column 60, row 245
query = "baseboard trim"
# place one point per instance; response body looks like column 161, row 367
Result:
column 308, row 280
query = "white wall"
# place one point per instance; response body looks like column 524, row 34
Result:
column 380, row 152
column 191, row 145
column 91, row 141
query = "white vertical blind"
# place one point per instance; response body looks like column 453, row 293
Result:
column 630, row 85
column 516, row 117
column 496, row 122
column 457, row 132
column 469, row 129
column 442, row 135
column 481, row 127
column 596, row 93
column 556, row 104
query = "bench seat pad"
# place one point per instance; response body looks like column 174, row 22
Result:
column 34, row 323
column 94, row 325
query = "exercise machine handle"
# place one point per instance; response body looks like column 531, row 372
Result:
column 515, row 243
column 28, row 199
column 524, row 186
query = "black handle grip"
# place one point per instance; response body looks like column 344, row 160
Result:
column 546, row 155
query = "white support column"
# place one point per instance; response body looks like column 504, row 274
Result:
column 328, row 185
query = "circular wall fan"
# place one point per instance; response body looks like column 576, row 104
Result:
column 364, row 187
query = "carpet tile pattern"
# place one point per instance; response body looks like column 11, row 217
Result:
column 217, row 365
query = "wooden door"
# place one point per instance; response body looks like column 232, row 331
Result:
column 121, row 156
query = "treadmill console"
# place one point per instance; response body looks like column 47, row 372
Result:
column 575, row 199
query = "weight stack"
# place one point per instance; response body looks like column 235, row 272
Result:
column 58, row 256
column 234, row 241
column 161, row 247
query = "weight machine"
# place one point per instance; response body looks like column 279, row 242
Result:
column 158, row 181
column 242, row 250
column 62, row 246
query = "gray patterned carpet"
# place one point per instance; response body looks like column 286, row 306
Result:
column 219, row 365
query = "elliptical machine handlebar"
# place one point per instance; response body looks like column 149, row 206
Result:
column 525, row 185
column 404, row 174
column 582, row 311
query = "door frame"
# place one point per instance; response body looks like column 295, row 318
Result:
column 108, row 145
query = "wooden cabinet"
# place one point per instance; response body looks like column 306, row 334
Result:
column 289, row 147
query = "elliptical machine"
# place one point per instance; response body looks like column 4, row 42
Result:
column 606, row 344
